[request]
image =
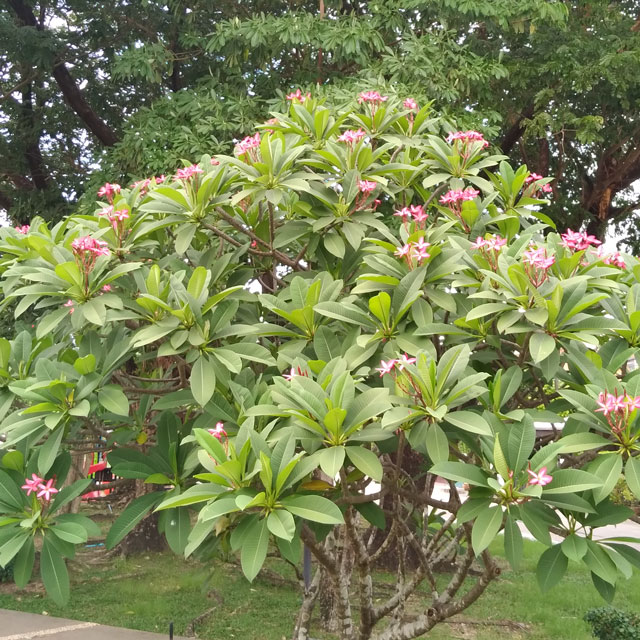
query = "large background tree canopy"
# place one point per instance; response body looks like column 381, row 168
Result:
column 95, row 89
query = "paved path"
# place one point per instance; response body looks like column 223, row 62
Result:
column 15, row 625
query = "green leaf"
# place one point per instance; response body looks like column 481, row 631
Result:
column 469, row 421
column 193, row 495
column 571, row 481
column 13, row 460
column 541, row 345
column 574, row 547
column 598, row 561
column 520, row 441
column 113, row 399
column 197, row 282
column 366, row 461
column 486, row 528
column 10, row 547
column 49, row 450
column 54, row 573
column 70, row 532
column 372, row 513
column 632, row 475
column 513, row 545
column 552, row 566
column 130, row 517
column 85, row 365
column 460, row 472
column 346, row 312
column 281, row 524
column 314, row 508
column 9, row 492
column 23, row 564
column 254, row 548
column 437, row 443
column 331, row 460
column 608, row 468
column 176, row 529
column 203, row 380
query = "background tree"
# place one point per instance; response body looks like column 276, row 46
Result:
column 549, row 81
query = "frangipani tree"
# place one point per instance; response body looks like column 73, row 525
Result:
column 290, row 345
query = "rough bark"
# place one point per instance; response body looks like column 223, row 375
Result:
column 516, row 130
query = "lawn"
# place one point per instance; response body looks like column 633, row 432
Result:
column 147, row 591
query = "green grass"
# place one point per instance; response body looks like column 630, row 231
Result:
column 154, row 589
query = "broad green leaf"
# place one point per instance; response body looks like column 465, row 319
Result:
column 437, row 443
column 176, row 529
column 113, row 399
column 130, row 517
column 469, row 421
column 281, row 524
column 513, row 544
column 54, row 572
column 203, row 380
column 314, row 508
column 574, row 547
column 541, row 345
column 254, row 548
column 460, row 472
column 486, row 528
column 331, row 460
column 520, row 440
column 632, row 475
column 608, row 468
column 23, row 564
column 366, row 461
column 571, row 481
column 552, row 566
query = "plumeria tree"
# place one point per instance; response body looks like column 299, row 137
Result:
column 343, row 337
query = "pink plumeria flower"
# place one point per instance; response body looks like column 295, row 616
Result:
column 372, row 97
column 479, row 243
column 160, row 179
column 578, row 240
column 467, row 136
column 604, row 403
column 540, row 478
column 351, row 136
column 496, row 243
column 386, row 367
column 403, row 213
column 106, row 212
column 219, row 431
column 633, row 402
column 120, row 215
column 47, row 489
column 69, row 303
column 188, row 172
column 405, row 360
column 405, row 250
column 31, row 486
column 24, row 229
column 410, row 103
column 367, row 186
column 298, row 96
column 290, row 376
column 109, row 190
column 106, row 288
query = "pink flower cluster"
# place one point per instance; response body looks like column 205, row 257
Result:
column 578, row 240
column 414, row 251
column 534, row 177
column 415, row 212
column 352, row 137
column 466, row 137
column 396, row 363
column 298, row 96
column 454, row 199
column 614, row 258
column 38, row 486
column 371, row 97
column 24, row 229
column 540, row 478
column 87, row 244
column 616, row 409
column 410, row 103
column 186, row 173
column 459, row 195
column 490, row 248
column 116, row 218
column 218, row 432
column 108, row 190
column 536, row 264
column 148, row 182
column 367, row 186
column 249, row 147
column 294, row 373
